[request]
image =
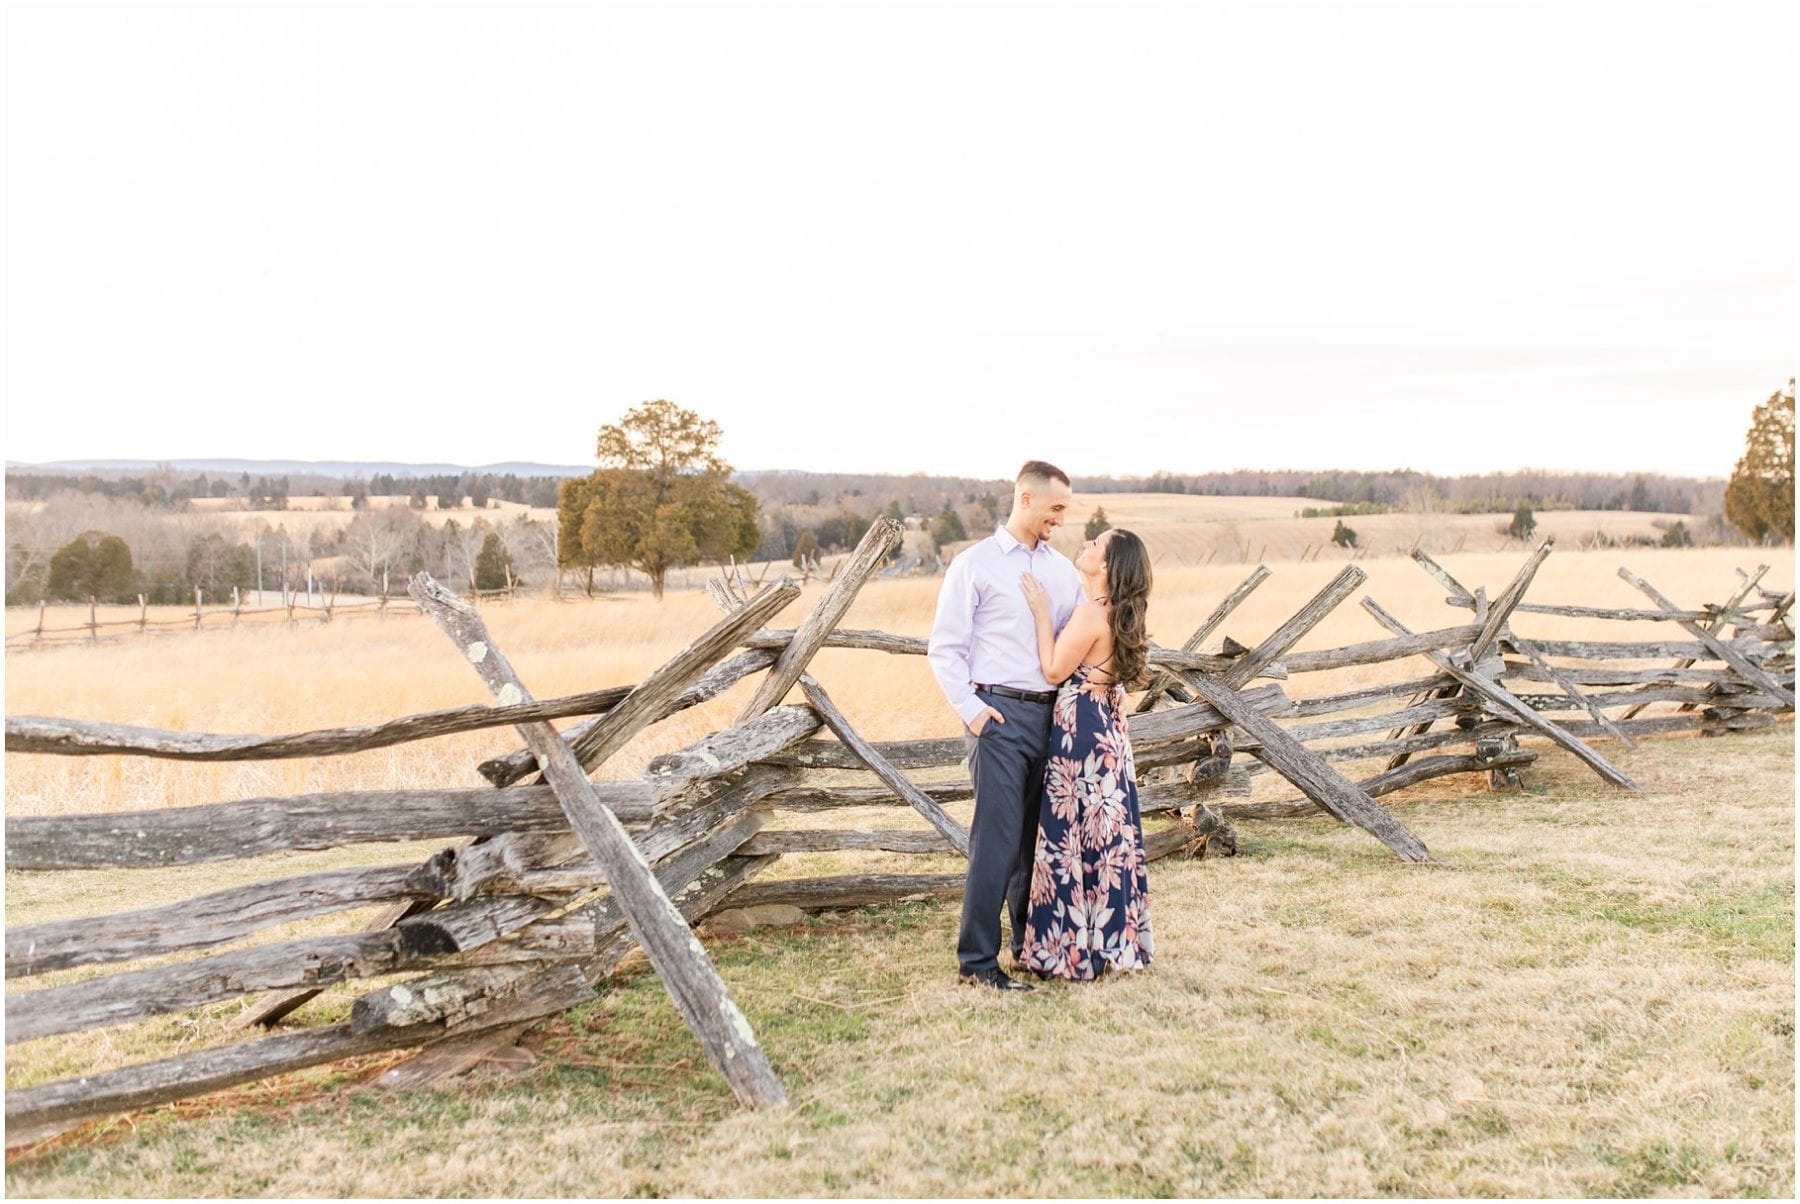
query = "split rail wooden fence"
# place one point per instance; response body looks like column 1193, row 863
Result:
column 292, row 610
column 553, row 878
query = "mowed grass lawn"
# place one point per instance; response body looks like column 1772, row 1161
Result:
column 1590, row 993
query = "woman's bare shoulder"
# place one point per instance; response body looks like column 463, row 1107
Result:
column 1090, row 612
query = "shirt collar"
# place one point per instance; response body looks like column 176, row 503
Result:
column 1008, row 542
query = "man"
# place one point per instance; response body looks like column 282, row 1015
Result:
column 984, row 653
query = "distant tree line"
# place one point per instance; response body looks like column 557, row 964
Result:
column 813, row 498
column 1348, row 508
column 163, row 490
column 114, row 551
column 1483, row 493
column 450, row 489
column 167, row 488
column 829, row 503
column 806, row 513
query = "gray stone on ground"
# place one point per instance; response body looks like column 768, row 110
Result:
column 742, row 919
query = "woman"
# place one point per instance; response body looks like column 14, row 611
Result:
column 1089, row 894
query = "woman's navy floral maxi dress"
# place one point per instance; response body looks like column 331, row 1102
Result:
column 1089, row 892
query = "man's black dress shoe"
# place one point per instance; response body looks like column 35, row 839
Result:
column 995, row 979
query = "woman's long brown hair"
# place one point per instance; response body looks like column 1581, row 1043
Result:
column 1128, row 586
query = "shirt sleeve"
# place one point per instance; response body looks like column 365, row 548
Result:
column 952, row 635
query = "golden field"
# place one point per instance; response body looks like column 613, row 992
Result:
column 1590, row 993
column 1183, row 529
column 304, row 515
column 270, row 677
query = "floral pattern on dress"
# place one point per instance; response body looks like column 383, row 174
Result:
column 1089, row 890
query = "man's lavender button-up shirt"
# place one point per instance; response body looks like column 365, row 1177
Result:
column 984, row 632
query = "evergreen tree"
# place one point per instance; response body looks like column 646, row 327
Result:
column 1096, row 523
column 948, row 528
column 572, row 497
column 493, row 564
column 1343, row 536
column 1759, row 500
column 92, row 565
column 805, row 544
column 1524, row 522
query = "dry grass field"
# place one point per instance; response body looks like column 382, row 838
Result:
column 1183, row 529
column 1589, row 993
column 304, row 515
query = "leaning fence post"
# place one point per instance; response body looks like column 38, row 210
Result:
column 1505, row 705
column 143, row 614
column 93, row 619
column 1715, row 626
column 1219, row 615
column 196, row 608
column 1745, row 668
column 1489, row 631
column 865, row 752
column 1292, row 631
column 809, row 637
column 39, row 633
column 675, row 953
column 1525, row 647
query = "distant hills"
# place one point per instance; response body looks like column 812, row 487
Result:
column 317, row 468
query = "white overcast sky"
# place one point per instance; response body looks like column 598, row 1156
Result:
column 898, row 239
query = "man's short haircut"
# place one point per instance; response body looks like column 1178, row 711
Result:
column 1040, row 472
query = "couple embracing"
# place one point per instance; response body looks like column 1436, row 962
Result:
column 1034, row 654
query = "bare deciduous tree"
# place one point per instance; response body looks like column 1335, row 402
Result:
column 463, row 544
column 376, row 540
column 532, row 545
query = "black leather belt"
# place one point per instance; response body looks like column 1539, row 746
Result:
column 1044, row 696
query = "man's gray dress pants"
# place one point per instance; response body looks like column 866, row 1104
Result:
column 1006, row 764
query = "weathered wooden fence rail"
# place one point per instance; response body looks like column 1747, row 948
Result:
column 554, row 877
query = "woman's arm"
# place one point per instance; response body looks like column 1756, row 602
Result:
column 1058, row 655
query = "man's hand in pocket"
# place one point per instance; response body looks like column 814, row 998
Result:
column 988, row 714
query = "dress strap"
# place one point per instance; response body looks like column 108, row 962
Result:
column 1087, row 669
